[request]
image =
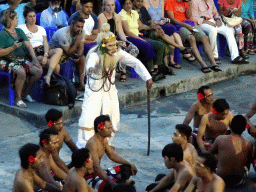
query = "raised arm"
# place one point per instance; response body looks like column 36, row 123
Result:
column 201, row 131
column 59, row 162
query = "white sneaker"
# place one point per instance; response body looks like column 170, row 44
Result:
column 21, row 104
column 29, row 99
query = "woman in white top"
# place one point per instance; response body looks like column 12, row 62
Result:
column 38, row 39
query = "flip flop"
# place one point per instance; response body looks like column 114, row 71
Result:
column 21, row 104
column 217, row 60
column 191, row 58
column 174, row 65
column 205, row 70
column 216, row 68
column 239, row 60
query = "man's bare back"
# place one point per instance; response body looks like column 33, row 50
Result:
column 190, row 155
column 232, row 154
column 23, row 181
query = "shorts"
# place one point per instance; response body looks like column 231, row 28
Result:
column 207, row 142
column 184, row 33
column 39, row 51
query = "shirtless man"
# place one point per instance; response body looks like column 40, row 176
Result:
column 54, row 120
column 234, row 153
column 98, row 146
column 214, row 124
column 205, row 179
column 26, row 180
column 252, row 128
column 49, row 142
column 180, row 136
column 180, row 175
column 201, row 107
column 83, row 165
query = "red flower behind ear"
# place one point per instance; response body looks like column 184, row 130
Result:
column 31, row 159
column 87, row 160
column 214, row 111
column 101, row 125
column 247, row 126
column 50, row 123
column 200, row 96
column 44, row 141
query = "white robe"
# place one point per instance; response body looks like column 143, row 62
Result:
column 101, row 102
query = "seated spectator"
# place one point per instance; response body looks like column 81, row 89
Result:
column 234, row 153
column 249, row 27
column 205, row 178
column 54, row 120
column 37, row 36
column 230, row 9
column 149, row 15
column 14, row 47
column 90, row 24
column 26, row 178
column 151, row 52
column 53, row 16
column 201, row 107
column 114, row 20
column 83, row 165
column 209, row 20
column 71, row 40
column 18, row 7
column 181, row 136
column 180, row 174
column 49, row 171
column 214, row 124
column 98, row 146
column 180, row 13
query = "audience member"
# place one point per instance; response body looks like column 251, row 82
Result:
column 180, row 13
column 26, row 179
column 201, row 107
column 214, row 124
column 18, row 7
column 14, row 47
column 180, row 174
column 114, row 20
column 151, row 52
column 205, row 179
column 54, row 120
column 181, row 136
column 249, row 27
column 90, row 24
column 83, row 165
column 49, row 171
column 37, row 37
column 54, row 16
column 230, row 9
column 205, row 14
column 166, row 33
column 71, row 40
column 234, row 153
column 98, row 146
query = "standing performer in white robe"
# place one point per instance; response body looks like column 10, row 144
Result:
column 100, row 96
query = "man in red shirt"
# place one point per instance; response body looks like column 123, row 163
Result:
column 180, row 12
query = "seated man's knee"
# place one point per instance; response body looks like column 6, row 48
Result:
column 21, row 74
column 59, row 51
column 191, row 39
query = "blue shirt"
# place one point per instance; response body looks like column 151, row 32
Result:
column 247, row 9
column 19, row 10
column 49, row 19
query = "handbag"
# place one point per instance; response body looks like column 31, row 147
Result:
column 232, row 21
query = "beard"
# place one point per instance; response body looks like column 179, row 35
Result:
column 108, row 62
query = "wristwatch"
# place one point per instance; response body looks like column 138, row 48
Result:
column 46, row 55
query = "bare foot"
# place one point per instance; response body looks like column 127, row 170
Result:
column 47, row 80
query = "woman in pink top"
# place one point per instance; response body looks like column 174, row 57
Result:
column 233, row 7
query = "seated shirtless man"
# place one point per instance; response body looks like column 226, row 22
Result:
column 205, row 179
column 180, row 136
column 181, row 172
column 26, row 179
column 54, row 120
column 98, row 146
column 201, row 107
column 48, row 171
column 234, row 153
column 252, row 128
column 83, row 165
column 214, row 124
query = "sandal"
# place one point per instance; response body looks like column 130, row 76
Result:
column 190, row 58
column 251, row 52
column 244, row 54
column 216, row 68
column 21, row 104
column 157, row 76
column 205, row 69
column 174, row 65
column 239, row 60
column 187, row 50
column 166, row 70
column 217, row 60
column 122, row 79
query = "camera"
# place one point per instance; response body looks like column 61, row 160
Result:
column 20, row 40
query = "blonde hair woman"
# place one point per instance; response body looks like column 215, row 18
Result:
column 100, row 96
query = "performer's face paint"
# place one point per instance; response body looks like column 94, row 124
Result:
column 110, row 6
column 58, row 125
column 77, row 27
column 208, row 96
column 111, row 47
column 178, row 137
column 53, row 144
column 108, row 129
